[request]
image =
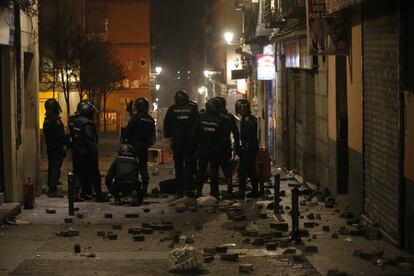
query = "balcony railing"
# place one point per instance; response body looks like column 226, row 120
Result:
column 294, row 8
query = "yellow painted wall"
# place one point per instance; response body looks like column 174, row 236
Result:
column 354, row 86
column 43, row 97
column 409, row 138
column 332, row 124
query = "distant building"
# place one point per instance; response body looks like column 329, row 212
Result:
column 126, row 26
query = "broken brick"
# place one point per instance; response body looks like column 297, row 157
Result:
column 336, row 272
column 210, row 250
column 311, row 216
column 221, row 249
column 79, row 216
column 311, row 249
column 116, row 226
column 77, row 248
column 246, row 268
column 139, row 238
column 161, row 227
column 209, row 259
column 258, row 242
column 68, row 220
column 271, row 246
column 289, row 251
column 263, row 215
column 299, row 258
column 101, row 233
column 334, row 235
column 50, row 211
column 147, row 210
column 280, row 226
column 111, row 236
column 132, row 215
column 230, row 257
column 147, row 231
column 310, row 224
column 108, row 216
column 326, row 228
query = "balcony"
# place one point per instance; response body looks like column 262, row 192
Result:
column 271, row 14
column 294, row 8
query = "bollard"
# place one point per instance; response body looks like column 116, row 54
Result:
column 261, row 177
column 276, row 196
column 295, row 215
column 70, row 194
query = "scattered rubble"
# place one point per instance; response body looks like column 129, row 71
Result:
column 76, row 249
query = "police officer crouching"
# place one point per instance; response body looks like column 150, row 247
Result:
column 85, row 152
column 123, row 175
column 55, row 138
column 179, row 125
column 140, row 133
column 211, row 139
column 250, row 148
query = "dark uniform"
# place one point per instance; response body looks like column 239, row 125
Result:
column 123, row 174
column 211, row 139
column 140, row 133
column 250, row 148
column 85, row 152
column 55, row 138
column 179, row 125
column 231, row 129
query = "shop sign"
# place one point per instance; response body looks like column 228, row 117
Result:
column 266, row 67
column 239, row 74
column 327, row 34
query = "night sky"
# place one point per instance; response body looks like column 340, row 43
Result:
column 174, row 28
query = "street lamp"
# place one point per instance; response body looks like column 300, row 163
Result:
column 202, row 90
column 158, row 70
column 206, row 73
column 157, row 87
column 228, row 37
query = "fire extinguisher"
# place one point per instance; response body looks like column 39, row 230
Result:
column 28, row 194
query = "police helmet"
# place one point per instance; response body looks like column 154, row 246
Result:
column 212, row 106
column 86, row 109
column 141, row 104
column 222, row 103
column 242, row 107
column 181, row 97
column 51, row 105
column 126, row 150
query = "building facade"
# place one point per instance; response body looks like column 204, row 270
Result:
column 19, row 71
column 342, row 99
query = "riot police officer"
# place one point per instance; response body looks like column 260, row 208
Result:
column 140, row 133
column 250, row 148
column 231, row 129
column 122, row 176
column 179, row 125
column 55, row 138
column 211, row 141
column 85, row 151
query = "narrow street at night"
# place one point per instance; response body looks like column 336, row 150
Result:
column 206, row 137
